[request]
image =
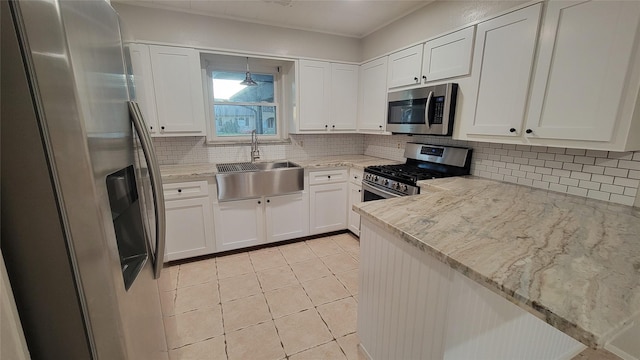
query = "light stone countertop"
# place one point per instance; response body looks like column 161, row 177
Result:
column 571, row 261
column 202, row 171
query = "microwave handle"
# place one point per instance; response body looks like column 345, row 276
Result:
column 427, row 119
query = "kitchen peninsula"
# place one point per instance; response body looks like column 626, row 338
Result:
column 428, row 260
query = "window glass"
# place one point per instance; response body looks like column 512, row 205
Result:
column 239, row 109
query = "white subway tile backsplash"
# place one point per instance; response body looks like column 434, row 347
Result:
column 575, row 152
column 584, row 160
column 626, row 182
column 598, row 195
column 553, row 164
column 616, row 172
column 580, row 175
column 572, row 166
column 576, row 191
column 614, row 189
column 593, row 169
column 612, row 176
column 569, row 181
column 622, row 199
column 605, row 179
column 558, row 187
column 589, row 185
column 627, row 164
column 620, row 155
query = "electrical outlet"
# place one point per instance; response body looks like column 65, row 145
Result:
column 399, row 146
column 301, row 143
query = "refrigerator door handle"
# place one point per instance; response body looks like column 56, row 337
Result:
column 156, row 185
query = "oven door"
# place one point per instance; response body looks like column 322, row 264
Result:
column 370, row 193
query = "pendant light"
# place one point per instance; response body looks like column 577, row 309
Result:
column 248, row 81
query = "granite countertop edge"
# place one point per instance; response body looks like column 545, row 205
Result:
column 457, row 187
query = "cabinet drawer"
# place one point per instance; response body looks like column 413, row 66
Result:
column 355, row 176
column 185, row 190
column 327, row 176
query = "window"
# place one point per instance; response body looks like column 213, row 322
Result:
column 235, row 110
column 239, row 109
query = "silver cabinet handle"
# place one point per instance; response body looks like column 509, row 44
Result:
column 156, row 186
column 426, row 109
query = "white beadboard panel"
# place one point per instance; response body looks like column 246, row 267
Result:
column 495, row 328
column 412, row 306
column 402, row 301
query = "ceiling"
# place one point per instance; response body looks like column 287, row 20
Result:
column 354, row 18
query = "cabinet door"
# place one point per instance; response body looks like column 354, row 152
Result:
column 405, row 66
column 355, row 196
column 582, row 67
column 238, row 224
column 178, row 89
column 144, row 92
column 287, row 217
column 448, row 56
column 315, row 94
column 372, row 106
column 344, row 96
column 328, row 207
column 189, row 228
column 502, row 62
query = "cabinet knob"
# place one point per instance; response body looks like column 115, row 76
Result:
column 380, row 126
column 359, row 190
column 528, row 131
column 162, row 127
column 151, row 127
column 512, row 130
column 355, row 176
column 259, row 202
column 415, row 79
column 424, row 77
column 326, row 126
column 268, row 201
column 179, row 190
column 328, row 176
column 333, row 126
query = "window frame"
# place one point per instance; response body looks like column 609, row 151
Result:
column 240, row 66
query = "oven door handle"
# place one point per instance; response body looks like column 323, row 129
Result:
column 427, row 118
column 379, row 192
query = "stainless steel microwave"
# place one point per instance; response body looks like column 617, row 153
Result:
column 427, row 110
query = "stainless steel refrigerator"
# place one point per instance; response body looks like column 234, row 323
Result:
column 82, row 252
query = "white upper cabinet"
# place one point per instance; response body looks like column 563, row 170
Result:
column 582, row 70
column 372, row 102
column 502, row 63
column 344, row 96
column 448, row 56
column 179, row 97
column 405, row 67
column 143, row 79
column 315, row 96
column 328, row 96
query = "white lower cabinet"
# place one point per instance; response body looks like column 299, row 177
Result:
column 328, row 207
column 189, row 220
column 244, row 223
column 239, row 224
column 355, row 197
column 286, row 217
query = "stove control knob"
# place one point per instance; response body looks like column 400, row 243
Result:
column 386, row 183
column 403, row 187
column 375, row 179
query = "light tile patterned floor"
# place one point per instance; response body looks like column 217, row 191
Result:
column 296, row 301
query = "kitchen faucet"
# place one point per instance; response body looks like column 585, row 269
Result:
column 255, row 153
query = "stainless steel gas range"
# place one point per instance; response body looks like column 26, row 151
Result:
column 423, row 162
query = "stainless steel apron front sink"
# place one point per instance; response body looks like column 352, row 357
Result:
column 238, row 181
